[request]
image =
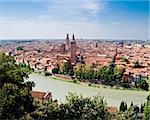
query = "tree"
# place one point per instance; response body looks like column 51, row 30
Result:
column 142, row 108
column 118, row 72
column 87, row 72
column 15, row 97
column 15, row 102
column 148, row 81
column 131, row 103
column 71, row 72
column 29, row 84
column 78, row 71
column 48, row 74
column 147, row 109
column 102, row 73
column 123, row 106
column 107, row 72
column 110, row 71
column 55, row 70
column 136, row 109
column 65, row 67
column 86, row 108
column 143, row 84
column 129, row 114
column 95, row 74
column 75, row 108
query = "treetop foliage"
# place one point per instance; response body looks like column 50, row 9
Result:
column 15, row 97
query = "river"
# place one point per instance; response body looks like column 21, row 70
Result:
column 60, row 89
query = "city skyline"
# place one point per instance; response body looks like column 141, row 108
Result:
column 93, row 19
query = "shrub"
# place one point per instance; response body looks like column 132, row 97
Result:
column 55, row 70
column 74, row 81
column 143, row 84
column 47, row 74
column 123, row 106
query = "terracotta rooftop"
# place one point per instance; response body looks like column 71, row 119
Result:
column 39, row 95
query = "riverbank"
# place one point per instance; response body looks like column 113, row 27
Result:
column 88, row 84
column 60, row 88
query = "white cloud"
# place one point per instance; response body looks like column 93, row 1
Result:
column 43, row 28
column 92, row 6
column 74, row 10
column 70, row 16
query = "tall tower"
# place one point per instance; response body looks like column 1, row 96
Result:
column 63, row 49
column 73, row 51
column 67, row 42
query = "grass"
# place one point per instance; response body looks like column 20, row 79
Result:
column 56, row 78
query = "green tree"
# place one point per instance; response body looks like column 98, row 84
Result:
column 142, row 108
column 148, row 81
column 110, row 71
column 55, row 70
column 15, row 97
column 71, row 72
column 86, row 108
column 136, row 109
column 75, row 108
column 107, row 72
column 131, row 103
column 129, row 114
column 48, row 74
column 143, row 84
column 102, row 73
column 118, row 72
column 65, row 67
column 147, row 109
column 95, row 74
column 87, row 72
column 29, row 84
column 123, row 106
column 78, row 71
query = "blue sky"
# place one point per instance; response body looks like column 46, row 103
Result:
column 108, row 19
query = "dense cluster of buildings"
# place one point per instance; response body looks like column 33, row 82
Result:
column 46, row 55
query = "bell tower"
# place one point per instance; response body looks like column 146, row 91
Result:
column 73, row 50
column 67, row 42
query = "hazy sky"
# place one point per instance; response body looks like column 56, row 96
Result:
column 115, row 19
